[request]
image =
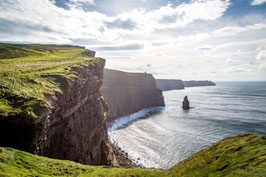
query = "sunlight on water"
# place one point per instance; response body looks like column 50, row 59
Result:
column 172, row 134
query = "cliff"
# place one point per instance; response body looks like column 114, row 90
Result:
column 173, row 84
column 50, row 102
column 198, row 83
column 169, row 84
column 126, row 93
column 242, row 155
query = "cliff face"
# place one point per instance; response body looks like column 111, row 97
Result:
column 169, row 84
column 198, row 83
column 127, row 93
column 74, row 125
column 76, row 128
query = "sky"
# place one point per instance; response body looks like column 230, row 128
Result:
column 219, row 40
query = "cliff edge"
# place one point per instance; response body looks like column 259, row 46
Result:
column 126, row 93
column 50, row 102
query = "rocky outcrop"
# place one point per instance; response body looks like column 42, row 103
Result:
column 127, row 93
column 169, row 84
column 73, row 127
column 185, row 103
column 193, row 83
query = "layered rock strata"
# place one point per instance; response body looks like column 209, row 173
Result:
column 74, row 125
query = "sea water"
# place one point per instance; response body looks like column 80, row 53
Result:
column 161, row 137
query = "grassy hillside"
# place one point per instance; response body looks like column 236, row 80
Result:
column 24, row 71
column 243, row 155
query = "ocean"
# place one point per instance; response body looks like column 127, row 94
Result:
column 163, row 136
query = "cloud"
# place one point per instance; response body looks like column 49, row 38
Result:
column 229, row 60
column 235, row 69
column 41, row 18
column 121, row 47
column 20, row 27
column 179, row 16
column 257, row 2
column 188, row 37
column 172, row 18
column 261, row 52
column 261, row 55
column 204, row 48
column 233, row 30
column 262, row 67
column 90, row 2
column 27, row 15
column 123, row 24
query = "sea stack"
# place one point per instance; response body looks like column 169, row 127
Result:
column 185, row 103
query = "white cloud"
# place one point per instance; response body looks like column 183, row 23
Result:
column 261, row 55
column 261, row 52
column 75, row 23
column 198, row 37
column 257, row 2
column 183, row 36
column 90, row 2
column 229, row 60
column 180, row 16
column 262, row 67
column 233, row 30
column 63, row 25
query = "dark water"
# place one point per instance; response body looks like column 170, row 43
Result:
column 163, row 139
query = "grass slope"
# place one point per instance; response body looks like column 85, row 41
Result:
column 24, row 68
column 243, row 155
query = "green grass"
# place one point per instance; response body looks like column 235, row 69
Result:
column 18, row 163
column 243, row 155
column 24, row 84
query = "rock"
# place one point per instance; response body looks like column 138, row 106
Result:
column 185, row 103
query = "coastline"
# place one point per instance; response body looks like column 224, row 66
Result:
column 122, row 158
column 125, row 120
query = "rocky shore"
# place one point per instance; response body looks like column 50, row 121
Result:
column 121, row 157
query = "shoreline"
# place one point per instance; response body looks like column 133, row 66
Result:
column 126, row 120
column 121, row 157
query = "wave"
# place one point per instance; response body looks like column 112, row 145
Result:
column 122, row 121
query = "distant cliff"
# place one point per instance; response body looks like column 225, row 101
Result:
column 193, row 83
column 169, row 84
column 174, row 84
column 126, row 93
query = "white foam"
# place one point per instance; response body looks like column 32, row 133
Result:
column 129, row 118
